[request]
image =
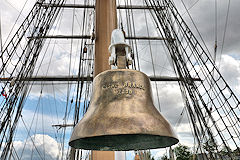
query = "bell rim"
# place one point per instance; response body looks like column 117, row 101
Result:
column 129, row 142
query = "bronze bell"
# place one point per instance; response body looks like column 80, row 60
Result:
column 121, row 115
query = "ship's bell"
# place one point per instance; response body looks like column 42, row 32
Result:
column 121, row 115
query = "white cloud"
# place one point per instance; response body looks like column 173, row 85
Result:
column 183, row 128
column 39, row 120
column 158, row 153
column 172, row 104
column 170, row 96
column 37, row 147
column 230, row 69
column 170, row 99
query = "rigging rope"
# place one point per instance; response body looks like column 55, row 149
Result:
column 68, row 86
column 26, row 71
column 33, row 141
column 195, row 26
column 216, row 32
column 190, row 7
column 20, row 13
column 220, row 125
column 153, row 65
column 225, row 30
column 1, row 45
column 135, row 46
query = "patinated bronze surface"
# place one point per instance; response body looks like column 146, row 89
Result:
column 121, row 115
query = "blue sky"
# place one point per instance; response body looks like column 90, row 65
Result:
column 51, row 109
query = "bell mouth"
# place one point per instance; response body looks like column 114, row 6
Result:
column 123, row 142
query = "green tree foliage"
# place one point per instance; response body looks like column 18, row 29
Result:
column 210, row 147
column 237, row 151
column 148, row 155
column 182, row 152
column 145, row 155
column 164, row 157
column 226, row 150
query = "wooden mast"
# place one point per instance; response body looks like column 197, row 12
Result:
column 106, row 22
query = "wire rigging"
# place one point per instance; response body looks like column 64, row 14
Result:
column 225, row 30
column 68, row 86
column 189, row 8
column 216, row 31
column 196, row 27
column 191, row 60
column 1, row 45
column 153, row 66
column 26, row 70
column 20, row 14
